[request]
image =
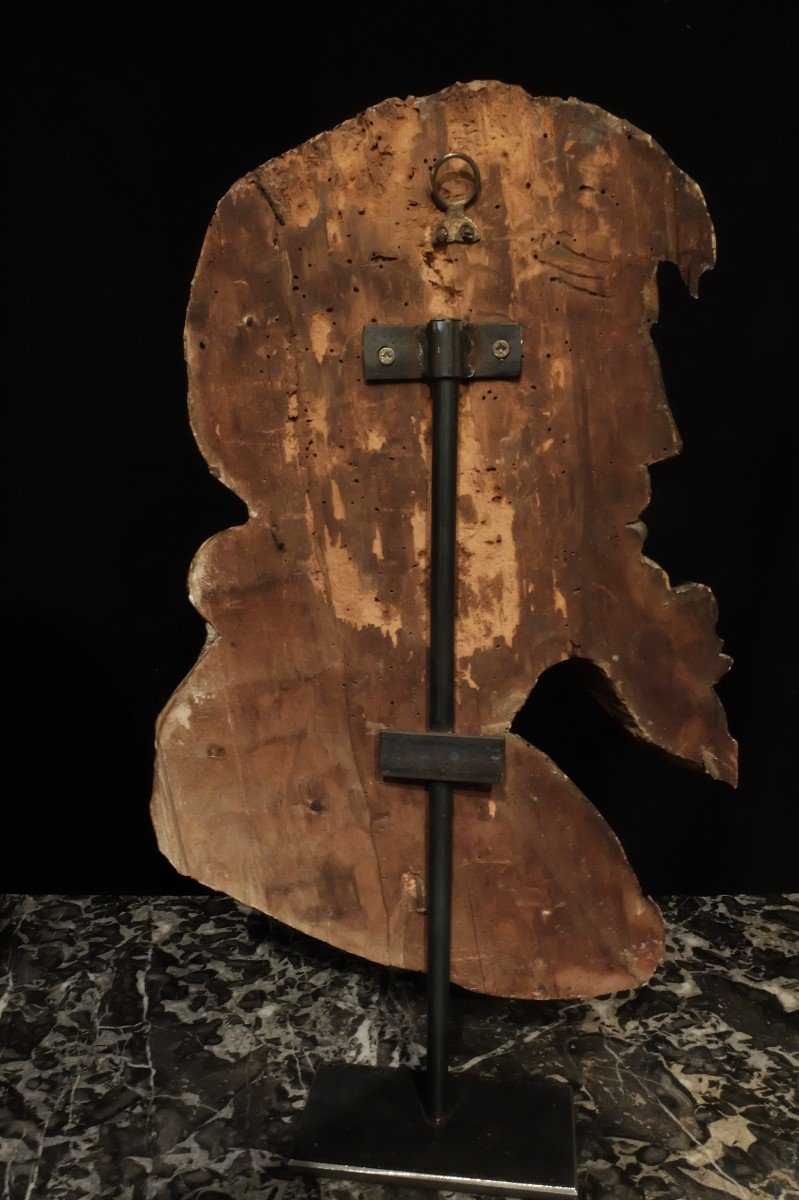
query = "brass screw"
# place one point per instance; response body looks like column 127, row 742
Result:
column 500, row 349
column 468, row 232
column 386, row 355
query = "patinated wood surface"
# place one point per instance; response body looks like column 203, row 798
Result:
column 266, row 784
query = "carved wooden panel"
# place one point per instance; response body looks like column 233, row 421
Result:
column 266, row 783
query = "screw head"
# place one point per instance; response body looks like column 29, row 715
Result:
column 440, row 235
column 386, row 355
column 468, row 232
column 500, row 349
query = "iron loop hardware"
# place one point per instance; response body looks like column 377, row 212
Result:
column 441, row 201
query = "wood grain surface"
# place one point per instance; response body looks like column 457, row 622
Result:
column 266, row 783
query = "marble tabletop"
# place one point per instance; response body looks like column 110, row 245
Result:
column 161, row 1049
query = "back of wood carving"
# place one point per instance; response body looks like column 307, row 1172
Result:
column 266, row 784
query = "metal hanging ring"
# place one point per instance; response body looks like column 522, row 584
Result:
column 440, row 201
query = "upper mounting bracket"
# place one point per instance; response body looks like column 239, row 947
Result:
column 445, row 349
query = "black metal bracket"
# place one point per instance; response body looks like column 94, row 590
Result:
column 455, row 757
column 448, row 349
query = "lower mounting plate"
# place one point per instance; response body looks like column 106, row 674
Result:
column 508, row 1137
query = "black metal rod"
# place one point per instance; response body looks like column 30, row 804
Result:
column 442, row 554
column 444, row 350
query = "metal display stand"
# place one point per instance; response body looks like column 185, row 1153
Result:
column 397, row 1126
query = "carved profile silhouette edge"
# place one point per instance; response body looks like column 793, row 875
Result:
column 266, row 782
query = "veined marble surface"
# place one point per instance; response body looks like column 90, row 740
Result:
column 162, row 1049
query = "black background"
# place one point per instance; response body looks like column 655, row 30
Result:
column 125, row 133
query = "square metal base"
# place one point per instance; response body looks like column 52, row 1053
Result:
column 514, row 1138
